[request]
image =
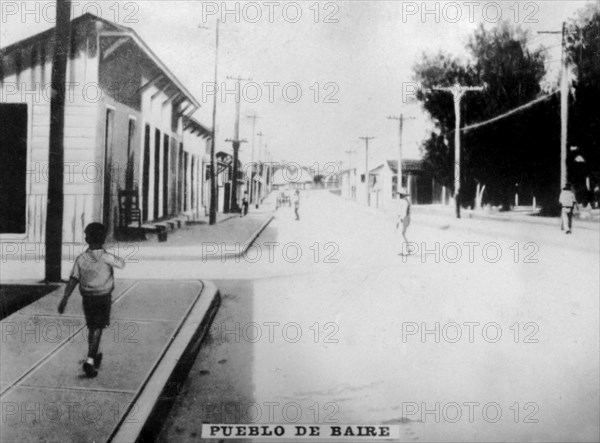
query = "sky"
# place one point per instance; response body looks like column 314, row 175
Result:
column 322, row 74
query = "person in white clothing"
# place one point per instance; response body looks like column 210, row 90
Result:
column 296, row 199
column 403, row 215
column 568, row 203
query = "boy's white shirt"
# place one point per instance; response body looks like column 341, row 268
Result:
column 94, row 271
column 567, row 198
column 403, row 205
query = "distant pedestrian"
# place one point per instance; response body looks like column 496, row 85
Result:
column 297, row 204
column 403, row 216
column 568, row 203
column 93, row 271
column 597, row 197
column 245, row 204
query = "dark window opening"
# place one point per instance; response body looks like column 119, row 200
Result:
column 165, row 175
column 156, row 171
column 13, row 168
column 173, row 177
column 186, row 206
column 146, row 174
column 129, row 172
column 181, row 173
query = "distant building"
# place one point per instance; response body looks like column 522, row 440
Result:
column 196, row 142
column 225, row 197
column 383, row 183
column 127, row 131
column 348, row 183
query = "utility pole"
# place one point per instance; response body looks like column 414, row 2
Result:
column 564, row 108
column 212, row 220
column 236, row 145
column 252, row 117
column 366, row 139
column 400, row 126
column 267, row 167
column 259, row 173
column 564, row 102
column 457, row 92
column 54, row 208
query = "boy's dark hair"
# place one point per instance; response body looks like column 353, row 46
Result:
column 95, row 233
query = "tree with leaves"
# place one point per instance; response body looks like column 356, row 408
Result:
column 507, row 155
column 583, row 49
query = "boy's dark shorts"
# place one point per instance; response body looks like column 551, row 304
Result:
column 97, row 310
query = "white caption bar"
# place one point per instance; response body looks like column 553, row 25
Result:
column 314, row 432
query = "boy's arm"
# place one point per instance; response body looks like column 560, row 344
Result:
column 68, row 291
column 113, row 260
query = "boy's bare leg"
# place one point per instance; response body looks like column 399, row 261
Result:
column 94, row 335
column 404, row 228
column 94, row 342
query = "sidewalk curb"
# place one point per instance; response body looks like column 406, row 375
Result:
column 186, row 340
column 254, row 236
column 589, row 225
column 534, row 220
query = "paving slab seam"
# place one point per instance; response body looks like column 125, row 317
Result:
column 78, row 389
column 163, row 352
column 57, row 348
column 113, row 319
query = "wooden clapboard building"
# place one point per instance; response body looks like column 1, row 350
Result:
column 129, row 146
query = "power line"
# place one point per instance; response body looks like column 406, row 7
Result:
column 508, row 113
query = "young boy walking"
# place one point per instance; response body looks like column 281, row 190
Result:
column 93, row 271
column 403, row 217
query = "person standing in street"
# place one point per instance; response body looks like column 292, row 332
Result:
column 568, row 203
column 403, row 216
column 245, row 204
column 297, row 204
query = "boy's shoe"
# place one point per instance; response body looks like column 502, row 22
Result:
column 98, row 360
column 89, row 370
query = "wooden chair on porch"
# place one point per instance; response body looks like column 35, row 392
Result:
column 129, row 210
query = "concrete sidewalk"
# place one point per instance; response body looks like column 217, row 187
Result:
column 230, row 237
column 44, row 394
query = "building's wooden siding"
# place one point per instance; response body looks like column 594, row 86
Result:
column 31, row 86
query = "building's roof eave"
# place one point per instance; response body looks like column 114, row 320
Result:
column 116, row 30
column 194, row 126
